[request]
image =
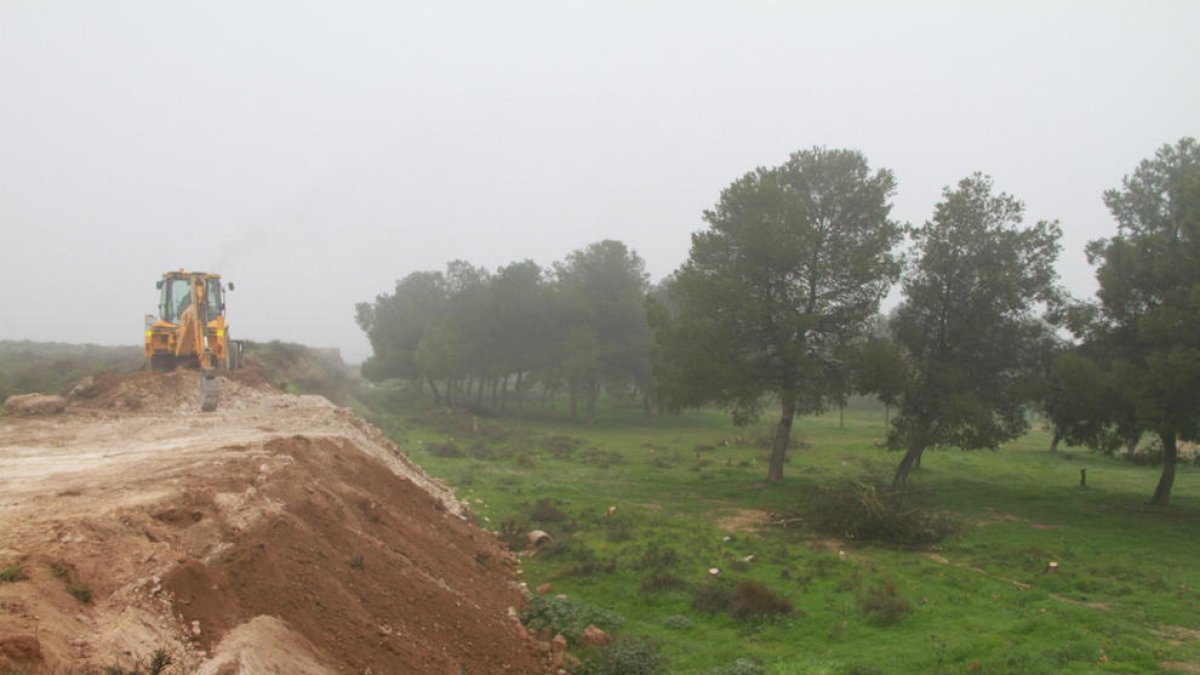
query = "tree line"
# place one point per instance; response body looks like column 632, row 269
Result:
column 778, row 305
column 470, row 336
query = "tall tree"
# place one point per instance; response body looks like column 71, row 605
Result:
column 794, row 262
column 396, row 322
column 967, row 325
column 1144, row 334
column 520, row 320
column 602, row 299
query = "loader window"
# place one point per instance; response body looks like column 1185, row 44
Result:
column 176, row 296
column 212, row 290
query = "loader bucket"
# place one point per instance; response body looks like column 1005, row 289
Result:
column 210, row 391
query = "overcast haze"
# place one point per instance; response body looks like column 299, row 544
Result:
column 314, row 153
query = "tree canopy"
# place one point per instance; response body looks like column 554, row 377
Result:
column 794, row 262
column 966, row 327
column 1141, row 339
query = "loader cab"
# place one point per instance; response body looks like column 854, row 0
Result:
column 175, row 294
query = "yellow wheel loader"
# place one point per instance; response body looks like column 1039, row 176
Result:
column 190, row 330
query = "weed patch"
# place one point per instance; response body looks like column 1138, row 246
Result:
column 81, row 592
column 13, row 573
column 568, row 618
column 624, row 656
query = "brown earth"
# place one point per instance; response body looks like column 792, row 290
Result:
column 281, row 534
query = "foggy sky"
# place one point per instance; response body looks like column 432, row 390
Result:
column 316, row 152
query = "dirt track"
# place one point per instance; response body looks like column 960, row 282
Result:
column 279, row 534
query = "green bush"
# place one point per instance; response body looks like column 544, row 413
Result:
column 562, row 616
column 624, row 656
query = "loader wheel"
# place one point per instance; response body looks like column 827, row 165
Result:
column 162, row 363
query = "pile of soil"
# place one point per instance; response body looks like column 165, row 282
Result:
column 175, row 392
column 280, row 534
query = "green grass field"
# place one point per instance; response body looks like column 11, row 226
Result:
column 689, row 496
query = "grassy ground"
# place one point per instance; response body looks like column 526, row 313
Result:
column 689, row 497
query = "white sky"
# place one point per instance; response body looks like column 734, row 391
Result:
column 316, row 152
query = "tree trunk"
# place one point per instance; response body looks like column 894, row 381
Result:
column 593, row 392
column 647, row 408
column 783, row 436
column 887, row 413
column 520, row 394
column 841, row 417
column 912, row 459
column 437, row 395
column 1162, row 493
column 1054, row 441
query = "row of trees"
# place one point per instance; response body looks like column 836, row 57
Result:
column 778, row 301
column 470, row 335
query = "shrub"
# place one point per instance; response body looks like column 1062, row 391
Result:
column 602, row 458
column 869, row 509
column 712, row 598
column 655, row 558
column 884, row 604
column 752, row 599
column 448, row 449
column 624, row 656
column 482, row 451
column 560, row 447
column 546, row 511
column 745, row 600
column 560, row 615
column 662, row 582
column 160, row 660
column 13, row 573
column 589, row 567
column 513, row 535
column 81, row 592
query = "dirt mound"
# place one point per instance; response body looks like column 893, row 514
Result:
column 174, row 392
column 279, row 534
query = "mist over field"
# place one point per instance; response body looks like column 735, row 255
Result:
column 317, row 153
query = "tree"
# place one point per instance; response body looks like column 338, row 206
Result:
column 396, row 322
column 967, row 327
column 1143, row 336
column 601, row 292
column 520, row 321
column 794, row 262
